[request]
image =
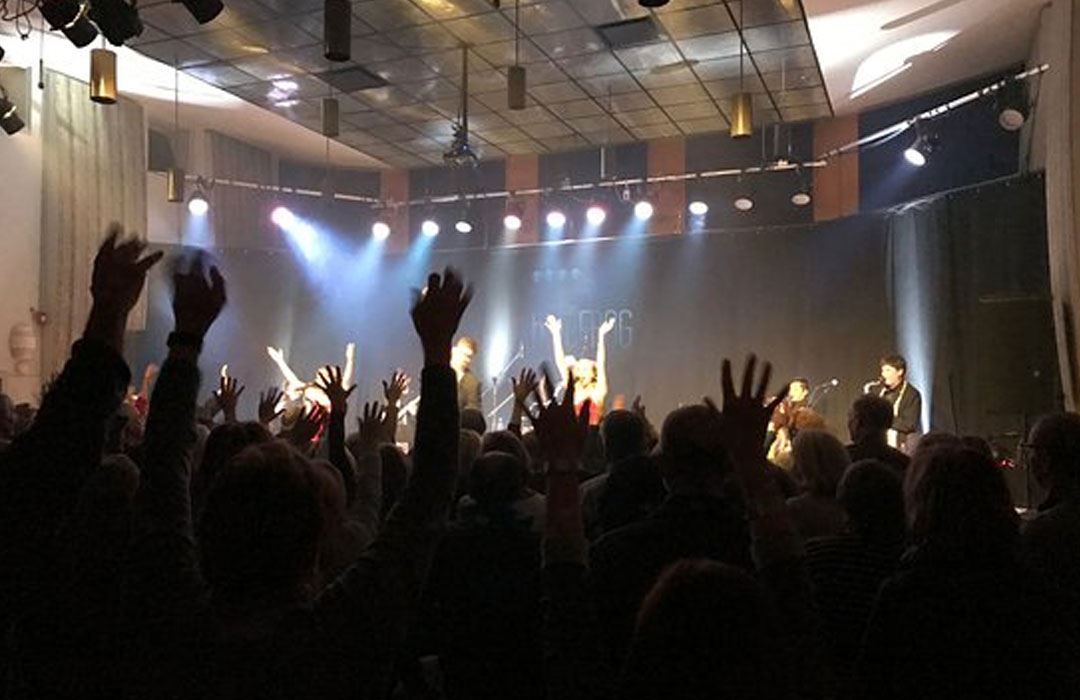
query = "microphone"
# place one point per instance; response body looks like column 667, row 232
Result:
column 871, row 384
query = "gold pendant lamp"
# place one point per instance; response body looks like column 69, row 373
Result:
column 742, row 105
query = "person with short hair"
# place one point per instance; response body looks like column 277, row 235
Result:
column 905, row 399
column 1052, row 539
column 469, row 386
column 869, row 421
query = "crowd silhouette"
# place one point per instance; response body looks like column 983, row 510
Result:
column 153, row 546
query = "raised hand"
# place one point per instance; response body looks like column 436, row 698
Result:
column 120, row 271
column 371, row 425
column 397, row 387
column 276, row 354
column 560, row 431
column 269, row 401
column 525, row 384
column 744, row 420
column 307, row 426
column 607, row 326
column 227, row 396
column 197, row 301
column 329, row 381
column 553, row 324
column 436, row 313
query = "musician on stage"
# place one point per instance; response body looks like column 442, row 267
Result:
column 789, row 416
column 905, row 399
column 469, row 386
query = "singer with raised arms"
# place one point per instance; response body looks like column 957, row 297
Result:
column 905, row 399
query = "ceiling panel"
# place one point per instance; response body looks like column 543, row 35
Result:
column 579, row 91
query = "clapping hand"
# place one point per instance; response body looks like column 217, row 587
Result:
column 227, row 396
column 436, row 313
column 397, row 387
column 329, row 381
column 269, row 401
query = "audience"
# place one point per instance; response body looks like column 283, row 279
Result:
column 151, row 548
column 868, row 425
column 819, row 462
column 1052, row 539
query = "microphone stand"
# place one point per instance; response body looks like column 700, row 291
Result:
column 498, row 378
column 819, row 393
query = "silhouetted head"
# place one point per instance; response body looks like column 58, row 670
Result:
column 820, row 461
column 869, row 419
column 226, row 441
column 260, row 529
column 473, row 419
column 1053, row 453
column 508, row 442
column 623, row 435
column 704, row 630
column 395, row 476
column 496, row 481
column 692, row 454
column 871, row 495
column 962, row 506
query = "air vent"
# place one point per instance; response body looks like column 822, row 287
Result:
column 352, row 79
column 630, row 32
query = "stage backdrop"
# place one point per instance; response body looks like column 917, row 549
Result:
column 957, row 283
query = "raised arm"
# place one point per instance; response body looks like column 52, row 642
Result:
column 350, row 364
column 601, row 355
column 291, row 380
column 554, row 326
column 163, row 577
column 393, row 392
column 44, row 469
column 523, row 387
column 332, row 383
column 368, row 609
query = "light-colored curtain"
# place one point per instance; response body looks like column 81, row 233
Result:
column 239, row 214
column 94, row 173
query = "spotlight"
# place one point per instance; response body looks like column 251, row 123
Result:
column 643, row 211
column 9, row 115
column 512, row 222
column 69, row 17
column 380, row 230
column 699, row 208
column 463, row 226
column 429, row 228
column 117, row 20
column 199, row 203
column 556, row 219
column 744, row 202
column 800, row 198
column 652, row 3
column 337, row 30
column 1012, row 106
column 919, row 152
column 595, row 215
column 204, row 10
column 282, row 217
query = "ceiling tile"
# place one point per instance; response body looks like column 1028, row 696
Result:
column 721, row 68
column 649, row 56
column 679, row 94
column 508, row 134
column 795, row 79
column 579, row 108
column 397, row 132
column 610, row 84
column 401, row 70
column 482, row 29
column 565, row 143
column 610, row 11
column 425, row 38
column 373, row 49
column 696, row 110
column 370, row 119
column 594, row 123
column 494, row 101
column 705, row 48
column 802, row 112
column 279, row 34
column 221, row 75
column 267, row 67
column 384, row 15
column 226, row 44
column 447, row 63
column 176, row 52
column 702, row 126
column 541, row 18
column 776, row 36
column 449, row 9
column 524, row 147
column 672, row 74
column 413, row 114
column 628, row 101
column 756, row 12
column 308, row 58
column 486, row 81
column 710, row 19
column 382, row 97
column 799, row 98
column 170, row 18
column 482, row 122
column 786, row 59
column 502, row 53
column 556, row 92
column 655, row 131
column 644, row 117
column 533, row 114
column 547, row 130
column 609, row 136
column 572, row 42
column 436, row 128
column 727, row 88
column 591, row 65
column 240, row 12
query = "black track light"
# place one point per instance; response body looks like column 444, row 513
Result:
column 10, row 121
column 1012, row 106
column 203, row 10
column 337, row 30
column 69, row 17
column 652, row 3
column 118, row 20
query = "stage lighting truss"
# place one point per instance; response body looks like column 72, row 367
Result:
column 918, row 153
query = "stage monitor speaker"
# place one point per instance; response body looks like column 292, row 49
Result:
column 1017, row 371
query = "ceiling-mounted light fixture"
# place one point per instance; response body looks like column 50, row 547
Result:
column 515, row 76
column 919, row 151
column 651, row 4
column 802, row 194
column 1012, row 105
column 698, row 208
column 460, row 153
column 337, row 30
column 103, row 76
column 380, row 230
column 69, row 17
column 175, row 177
column 199, row 203
column 742, row 105
column 10, row 121
column 204, row 11
column 744, row 197
column 643, row 210
column 331, row 117
column 118, row 20
column 596, row 215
